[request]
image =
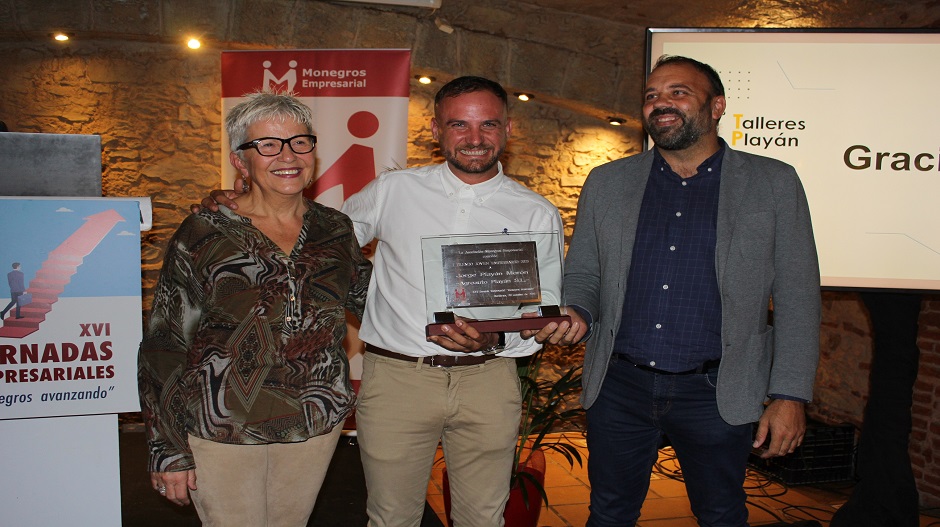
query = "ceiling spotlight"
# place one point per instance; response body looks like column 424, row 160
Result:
column 193, row 43
column 60, row 36
column 424, row 79
column 524, row 96
column 615, row 121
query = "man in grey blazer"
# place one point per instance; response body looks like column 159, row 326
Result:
column 678, row 253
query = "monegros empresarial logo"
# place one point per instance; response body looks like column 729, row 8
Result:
column 311, row 78
column 765, row 132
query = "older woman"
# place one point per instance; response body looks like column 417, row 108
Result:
column 243, row 379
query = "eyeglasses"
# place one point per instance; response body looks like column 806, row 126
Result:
column 272, row 146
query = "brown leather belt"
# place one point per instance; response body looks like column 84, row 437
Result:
column 441, row 361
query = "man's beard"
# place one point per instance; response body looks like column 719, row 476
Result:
column 475, row 167
column 682, row 137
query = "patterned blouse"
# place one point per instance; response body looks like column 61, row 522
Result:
column 244, row 344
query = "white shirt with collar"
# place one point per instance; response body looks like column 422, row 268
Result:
column 399, row 208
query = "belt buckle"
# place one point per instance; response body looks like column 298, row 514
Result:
column 431, row 360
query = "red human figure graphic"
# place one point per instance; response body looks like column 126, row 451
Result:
column 356, row 167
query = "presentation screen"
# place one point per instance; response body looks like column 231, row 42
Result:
column 855, row 113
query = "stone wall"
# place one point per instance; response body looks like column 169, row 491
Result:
column 127, row 77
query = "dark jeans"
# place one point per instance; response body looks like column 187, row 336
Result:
column 625, row 426
column 14, row 301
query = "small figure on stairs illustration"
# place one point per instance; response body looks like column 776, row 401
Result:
column 17, row 287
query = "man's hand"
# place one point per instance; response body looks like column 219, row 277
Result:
column 564, row 333
column 461, row 336
column 221, row 197
column 785, row 422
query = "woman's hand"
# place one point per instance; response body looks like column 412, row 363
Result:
column 174, row 486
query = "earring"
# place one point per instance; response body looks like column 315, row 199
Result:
column 246, row 184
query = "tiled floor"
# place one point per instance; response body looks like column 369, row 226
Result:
column 667, row 504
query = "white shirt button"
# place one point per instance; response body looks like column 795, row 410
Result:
column 672, row 247
column 678, row 214
column 665, row 286
column 659, row 326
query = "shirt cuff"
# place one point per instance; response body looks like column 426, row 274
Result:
column 787, row 398
column 588, row 319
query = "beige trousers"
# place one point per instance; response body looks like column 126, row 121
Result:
column 274, row 485
column 406, row 409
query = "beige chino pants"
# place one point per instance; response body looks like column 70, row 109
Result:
column 406, row 409
column 274, row 485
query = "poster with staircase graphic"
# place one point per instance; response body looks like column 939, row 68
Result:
column 70, row 285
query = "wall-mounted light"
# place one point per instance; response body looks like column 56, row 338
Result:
column 524, row 96
column 194, row 43
column 615, row 121
column 60, row 36
column 424, row 79
column 443, row 25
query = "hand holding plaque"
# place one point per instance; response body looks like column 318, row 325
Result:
column 491, row 279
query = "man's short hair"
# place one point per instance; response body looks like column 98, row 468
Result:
column 469, row 84
column 263, row 106
column 16, row 265
column 713, row 78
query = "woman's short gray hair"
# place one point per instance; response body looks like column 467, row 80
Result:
column 264, row 106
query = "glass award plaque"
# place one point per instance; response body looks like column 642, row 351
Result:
column 492, row 279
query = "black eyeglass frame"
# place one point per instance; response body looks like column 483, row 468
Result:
column 254, row 144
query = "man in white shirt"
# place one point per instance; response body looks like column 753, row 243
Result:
column 407, row 404
column 461, row 388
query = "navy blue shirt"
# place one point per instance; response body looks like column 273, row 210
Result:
column 672, row 311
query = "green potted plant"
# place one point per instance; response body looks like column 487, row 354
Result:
column 546, row 407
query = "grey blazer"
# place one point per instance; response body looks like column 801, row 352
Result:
column 765, row 249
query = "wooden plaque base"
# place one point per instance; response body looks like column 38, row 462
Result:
column 511, row 325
